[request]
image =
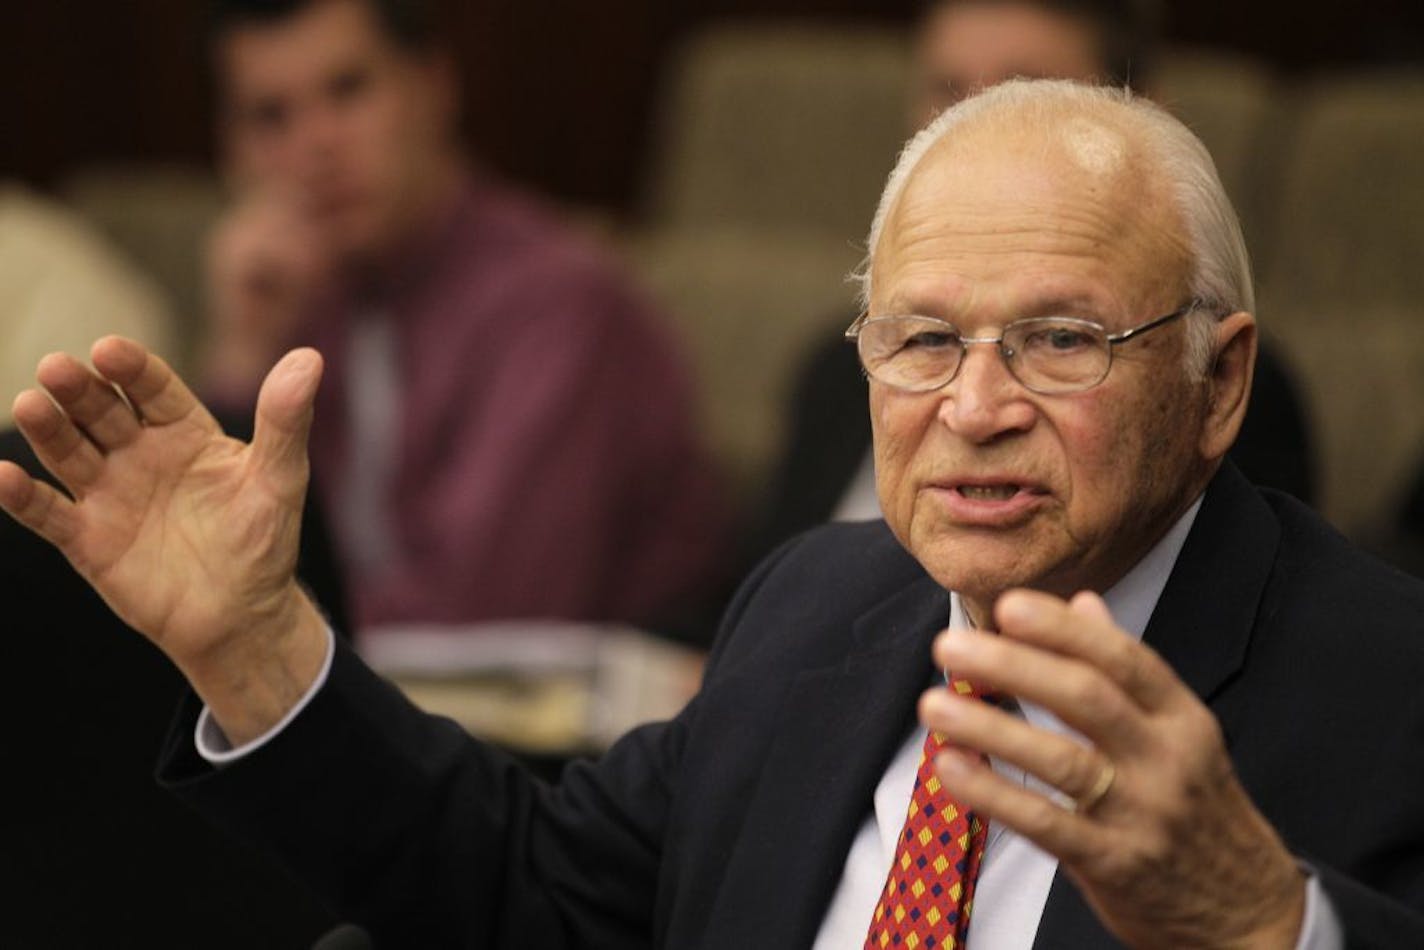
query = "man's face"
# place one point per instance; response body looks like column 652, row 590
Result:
column 325, row 110
column 968, row 45
column 989, row 485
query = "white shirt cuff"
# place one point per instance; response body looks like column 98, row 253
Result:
column 213, row 746
column 1321, row 928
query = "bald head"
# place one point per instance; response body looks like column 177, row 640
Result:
column 1010, row 198
column 1076, row 172
column 1113, row 141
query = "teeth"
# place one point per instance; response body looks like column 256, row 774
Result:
column 988, row 492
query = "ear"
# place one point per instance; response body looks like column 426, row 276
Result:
column 1229, row 383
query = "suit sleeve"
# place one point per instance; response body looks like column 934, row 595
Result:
column 1375, row 875
column 426, row 837
column 406, row 825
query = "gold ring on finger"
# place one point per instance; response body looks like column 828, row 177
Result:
column 1086, row 802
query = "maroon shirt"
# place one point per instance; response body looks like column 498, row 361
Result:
column 549, row 455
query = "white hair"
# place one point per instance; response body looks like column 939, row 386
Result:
column 1221, row 270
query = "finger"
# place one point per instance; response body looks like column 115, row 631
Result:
column 1067, row 765
column 150, row 384
column 972, row 783
column 61, row 448
column 1083, row 628
column 90, row 401
column 284, row 416
column 37, row 506
column 1072, row 689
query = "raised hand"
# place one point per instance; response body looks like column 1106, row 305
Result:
column 189, row 536
column 1164, row 842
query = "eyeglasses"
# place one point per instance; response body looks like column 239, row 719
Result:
column 1048, row 355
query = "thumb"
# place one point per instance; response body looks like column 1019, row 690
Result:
column 284, row 415
column 1090, row 605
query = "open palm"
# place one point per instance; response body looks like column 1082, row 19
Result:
column 190, row 536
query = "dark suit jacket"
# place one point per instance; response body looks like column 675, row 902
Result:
column 728, row 827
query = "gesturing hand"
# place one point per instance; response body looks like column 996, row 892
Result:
column 189, row 536
column 1165, row 844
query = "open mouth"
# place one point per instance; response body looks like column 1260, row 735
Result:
column 989, row 492
column 990, row 504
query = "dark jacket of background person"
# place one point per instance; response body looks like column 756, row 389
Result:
column 729, row 825
column 1403, row 543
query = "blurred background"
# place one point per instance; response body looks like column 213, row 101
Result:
column 729, row 154
column 84, row 83
column 704, row 136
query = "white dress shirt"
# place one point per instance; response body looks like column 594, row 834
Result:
column 1016, row 875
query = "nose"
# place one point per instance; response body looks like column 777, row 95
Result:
column 984, row 401
column 317, row 135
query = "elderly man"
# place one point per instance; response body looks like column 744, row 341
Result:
column 1059, row 344
column 826, row 468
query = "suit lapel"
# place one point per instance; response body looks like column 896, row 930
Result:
column 1203, row 621
column 834, row 738
column 1202, row 626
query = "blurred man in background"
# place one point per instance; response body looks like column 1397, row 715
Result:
column 499, row 403
column 960, row 47
column 964, row 45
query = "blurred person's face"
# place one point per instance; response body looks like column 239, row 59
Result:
column 992, row 486
column 325, row 110
column 968, row 45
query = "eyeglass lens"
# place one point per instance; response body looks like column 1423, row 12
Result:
column 1050, row 354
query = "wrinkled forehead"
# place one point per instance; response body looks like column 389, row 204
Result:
column 1076, row 190
column 1096, row 156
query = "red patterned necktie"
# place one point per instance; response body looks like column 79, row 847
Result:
column 929, row 891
